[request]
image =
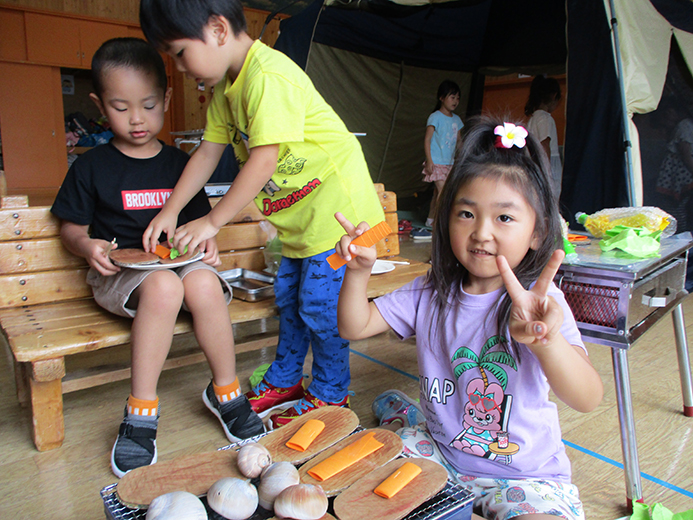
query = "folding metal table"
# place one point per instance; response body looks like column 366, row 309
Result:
column 615, row 300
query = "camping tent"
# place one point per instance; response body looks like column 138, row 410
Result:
column 379, row 64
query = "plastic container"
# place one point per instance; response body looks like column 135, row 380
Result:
column 654, row 219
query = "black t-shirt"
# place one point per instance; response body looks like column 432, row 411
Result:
column 118, row 196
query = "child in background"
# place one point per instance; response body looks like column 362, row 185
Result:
column 130, row 89
column 494, row 334
column 297, row 161
column 544, row 96
column 442, row 129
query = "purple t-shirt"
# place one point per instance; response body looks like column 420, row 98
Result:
column 470, row 389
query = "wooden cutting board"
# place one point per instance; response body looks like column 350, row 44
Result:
column 194, row 473
column 339, row 422
column 359, row 501
column 345, row 478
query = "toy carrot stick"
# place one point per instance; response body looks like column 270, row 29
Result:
column 368, row 239
column 161, row 251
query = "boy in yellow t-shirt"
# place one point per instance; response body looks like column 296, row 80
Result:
column 298, row 162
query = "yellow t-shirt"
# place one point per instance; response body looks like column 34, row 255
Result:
column 320, row 169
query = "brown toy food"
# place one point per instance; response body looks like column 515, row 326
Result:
column 125, row 257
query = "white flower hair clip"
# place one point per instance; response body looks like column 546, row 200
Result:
column 509, row 135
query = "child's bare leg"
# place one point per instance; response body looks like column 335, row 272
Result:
column 437, row 189
column 159, row 298
column 205, row 299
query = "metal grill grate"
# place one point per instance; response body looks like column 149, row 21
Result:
column 453, row 502
column 593, row 304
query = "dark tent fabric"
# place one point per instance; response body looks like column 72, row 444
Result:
column 379, row 65
column 594, row 175
column 413, row 47
column 460, row 36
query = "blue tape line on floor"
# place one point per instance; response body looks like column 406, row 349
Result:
column 645, row 476
column 402, row 372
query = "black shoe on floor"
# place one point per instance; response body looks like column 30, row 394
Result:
column 236, row 416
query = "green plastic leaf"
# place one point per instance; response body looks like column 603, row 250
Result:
column 175, row 253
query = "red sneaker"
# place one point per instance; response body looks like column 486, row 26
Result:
column 305, row 405
column 265, row 397
column 404, row 227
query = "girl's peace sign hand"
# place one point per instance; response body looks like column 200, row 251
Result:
column 535, row 317
column 357, row 257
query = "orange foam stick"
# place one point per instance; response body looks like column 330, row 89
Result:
column 161, row 251
column 305, row 435
column 368, row 239
column 345, row 457
column 397, row 480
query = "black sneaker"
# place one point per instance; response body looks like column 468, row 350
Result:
column 135, row 445
column 236, row 416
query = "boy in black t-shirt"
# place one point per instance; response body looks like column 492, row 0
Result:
column 113, row 191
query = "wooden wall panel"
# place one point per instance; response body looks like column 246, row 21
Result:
column 12, row 43
column 41, row 137
column 123, row 10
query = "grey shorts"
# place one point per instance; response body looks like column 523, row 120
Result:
column 113, row 293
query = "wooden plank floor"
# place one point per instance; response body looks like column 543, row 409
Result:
column 65, row 483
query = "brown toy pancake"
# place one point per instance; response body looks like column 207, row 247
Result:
column 129, row 257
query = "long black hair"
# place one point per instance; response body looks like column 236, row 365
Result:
column 527, row 169
column 446, row 87
column 163, row 21
column 541, row 92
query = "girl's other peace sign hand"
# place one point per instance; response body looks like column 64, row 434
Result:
column 357, row 257
column 535, row 317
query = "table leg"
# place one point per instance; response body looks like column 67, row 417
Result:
column 626, row 419
column 684, row 361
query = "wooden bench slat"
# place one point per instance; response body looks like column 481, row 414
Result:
column 36, row 255
column 241, row 236
column 43, row 287
column 13, row 316
column 25, row 223
column 75, row 338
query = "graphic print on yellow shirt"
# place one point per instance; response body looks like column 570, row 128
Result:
column 320, row 167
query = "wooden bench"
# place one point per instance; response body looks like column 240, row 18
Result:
column 48, row 315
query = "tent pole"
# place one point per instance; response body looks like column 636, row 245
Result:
column 630, row 180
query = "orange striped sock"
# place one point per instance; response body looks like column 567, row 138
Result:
column 227, row 392
column 143, row 407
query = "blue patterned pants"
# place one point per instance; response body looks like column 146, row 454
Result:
column 306, row 292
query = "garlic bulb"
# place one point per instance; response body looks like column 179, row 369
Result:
column 178, row 505
column 273, row 480
column 233, row 498
column 252, row 459
column 301, row 502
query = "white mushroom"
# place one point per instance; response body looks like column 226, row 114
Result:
column 252, row 459
column 177, row 505
column 273, row 480
column 301, row 502
column 233, row 498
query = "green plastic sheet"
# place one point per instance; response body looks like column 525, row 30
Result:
column 657, row 512
column 638, row 242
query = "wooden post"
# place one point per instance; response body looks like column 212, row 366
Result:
column 47, row 403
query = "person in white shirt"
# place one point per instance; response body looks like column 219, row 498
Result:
column 544, row 96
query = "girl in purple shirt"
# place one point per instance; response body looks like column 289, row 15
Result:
column 494, row 334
